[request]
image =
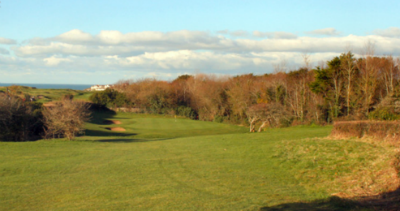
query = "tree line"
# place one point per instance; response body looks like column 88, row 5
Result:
column 345, row 87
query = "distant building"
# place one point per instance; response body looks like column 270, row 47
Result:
column 100, row 87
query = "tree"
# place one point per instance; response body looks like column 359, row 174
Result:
column 65, row 119
column 241, row 94
column 254, row 114
column 329, row 83
column 298, row 92
column 368, row 75
column 349, row 67
column 271, row 114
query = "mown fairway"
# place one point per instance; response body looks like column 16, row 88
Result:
column 163, row 163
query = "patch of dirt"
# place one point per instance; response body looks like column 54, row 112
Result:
column 116, row 128
column 49, row 104
column 111, row 122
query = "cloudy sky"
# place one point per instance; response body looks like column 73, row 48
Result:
column 99, row 42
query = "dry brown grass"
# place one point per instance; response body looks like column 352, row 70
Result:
column 379, row 176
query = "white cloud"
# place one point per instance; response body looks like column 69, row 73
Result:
column 275, row 35
column 7, row 41
column 389, row 32
column 115, row 54
column 54, row 61
column 109, row 43
column 75, row 35
column 326, row 31
column 4, row 51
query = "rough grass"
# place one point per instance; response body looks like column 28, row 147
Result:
column 346, row 168
column 162, row 163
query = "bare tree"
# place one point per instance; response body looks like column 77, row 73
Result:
column 269, row 114
column 65, row 119
column 254, row 114
column 368, row 73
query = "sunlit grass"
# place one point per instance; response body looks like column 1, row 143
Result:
column 162, row 163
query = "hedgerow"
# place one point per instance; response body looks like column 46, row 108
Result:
column 384, row 130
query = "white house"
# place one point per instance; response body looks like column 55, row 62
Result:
column 100, row 87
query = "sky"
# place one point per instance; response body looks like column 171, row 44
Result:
column 102, row 42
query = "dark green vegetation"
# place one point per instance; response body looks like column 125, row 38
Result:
column 162, row 163
column 109, row 98
column 19, row 121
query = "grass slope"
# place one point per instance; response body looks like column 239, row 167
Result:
column 166, row 164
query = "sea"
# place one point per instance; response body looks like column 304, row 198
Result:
column 52, row 86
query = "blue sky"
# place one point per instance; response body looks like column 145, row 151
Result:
column 95, row 42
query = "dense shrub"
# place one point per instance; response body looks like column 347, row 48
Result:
column 219, row 119
column 389, row 130
column 385, row 113
column 19, row 120
column 186, row 111
column 109, row 98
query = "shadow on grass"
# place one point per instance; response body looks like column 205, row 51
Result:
column 129, row 140
column 89, row 132
column 386, row 201
column 100, row 115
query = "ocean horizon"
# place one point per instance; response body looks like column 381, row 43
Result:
column 52, row 86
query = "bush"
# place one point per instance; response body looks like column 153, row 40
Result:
column 219, row 119
column 186, row 111
column 109, row 98
column 389, row 130
column 385, row 113
column 19, row 120
column 65, row 119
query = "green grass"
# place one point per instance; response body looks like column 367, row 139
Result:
column 51, row 94
column 163, row 163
